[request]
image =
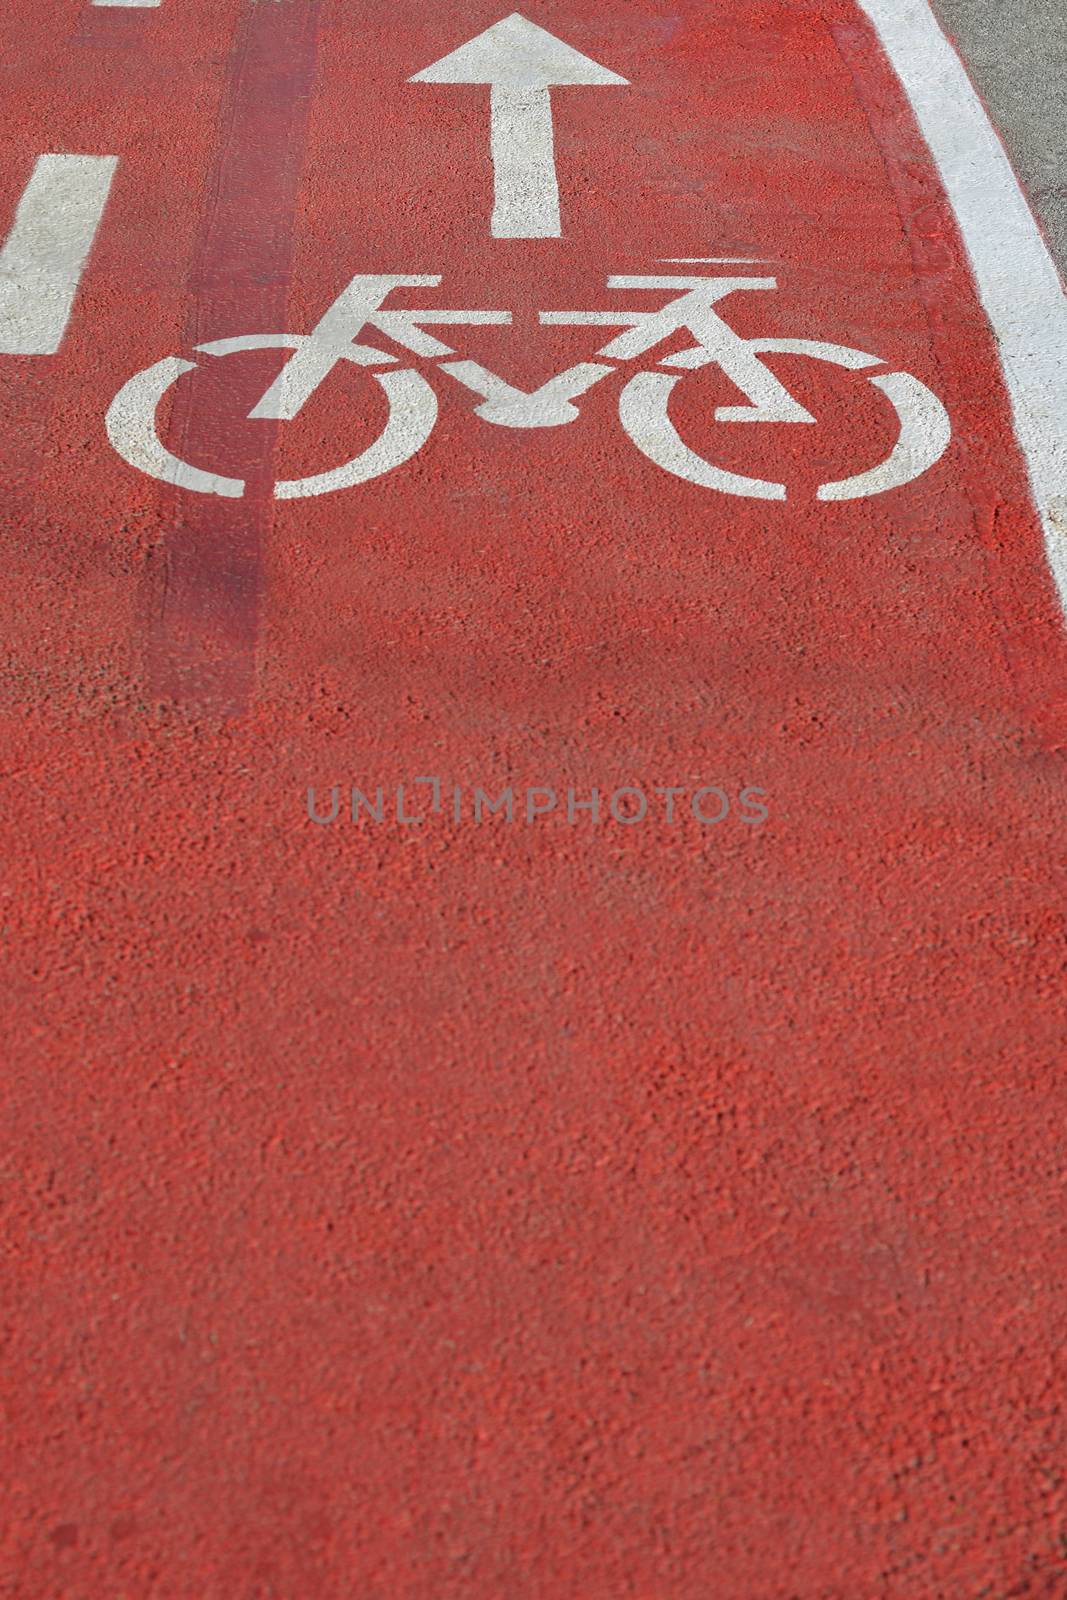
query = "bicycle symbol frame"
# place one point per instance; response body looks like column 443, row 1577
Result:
column 924, row 426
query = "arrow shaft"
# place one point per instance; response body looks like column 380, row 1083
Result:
column 526, row 202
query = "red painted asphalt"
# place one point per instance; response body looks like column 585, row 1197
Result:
column 581, row 1210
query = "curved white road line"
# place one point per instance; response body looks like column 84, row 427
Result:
column 644, row 416
column 131, row 427
column 412, row 414
column 1016, row 278
column 925, row 431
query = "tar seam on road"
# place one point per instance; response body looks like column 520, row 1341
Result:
column 205, row 605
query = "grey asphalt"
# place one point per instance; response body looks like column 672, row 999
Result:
column 1016, row 51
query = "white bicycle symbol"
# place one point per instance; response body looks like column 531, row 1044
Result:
column 924, row 430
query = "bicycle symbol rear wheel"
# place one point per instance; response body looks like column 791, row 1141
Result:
column 133, row 431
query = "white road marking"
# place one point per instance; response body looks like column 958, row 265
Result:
column 412, row 414
column 126, row 2
column 521, row 62
column 546, row 407
column 924, row 431
column 1017, row 281
column 924, row 434
column 42, row 261
column 131, row 427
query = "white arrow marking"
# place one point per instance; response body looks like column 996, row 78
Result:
column 521, row 62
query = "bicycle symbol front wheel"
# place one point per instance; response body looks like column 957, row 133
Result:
column 924, row 433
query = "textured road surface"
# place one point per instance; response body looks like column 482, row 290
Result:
column 535, row 1209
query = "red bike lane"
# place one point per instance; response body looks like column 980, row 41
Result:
column 555, row 1204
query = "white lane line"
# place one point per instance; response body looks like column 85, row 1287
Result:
column 1016, row 277
column 126, row 2
column 49, row 243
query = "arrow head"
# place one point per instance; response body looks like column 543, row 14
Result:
column 517, row 54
